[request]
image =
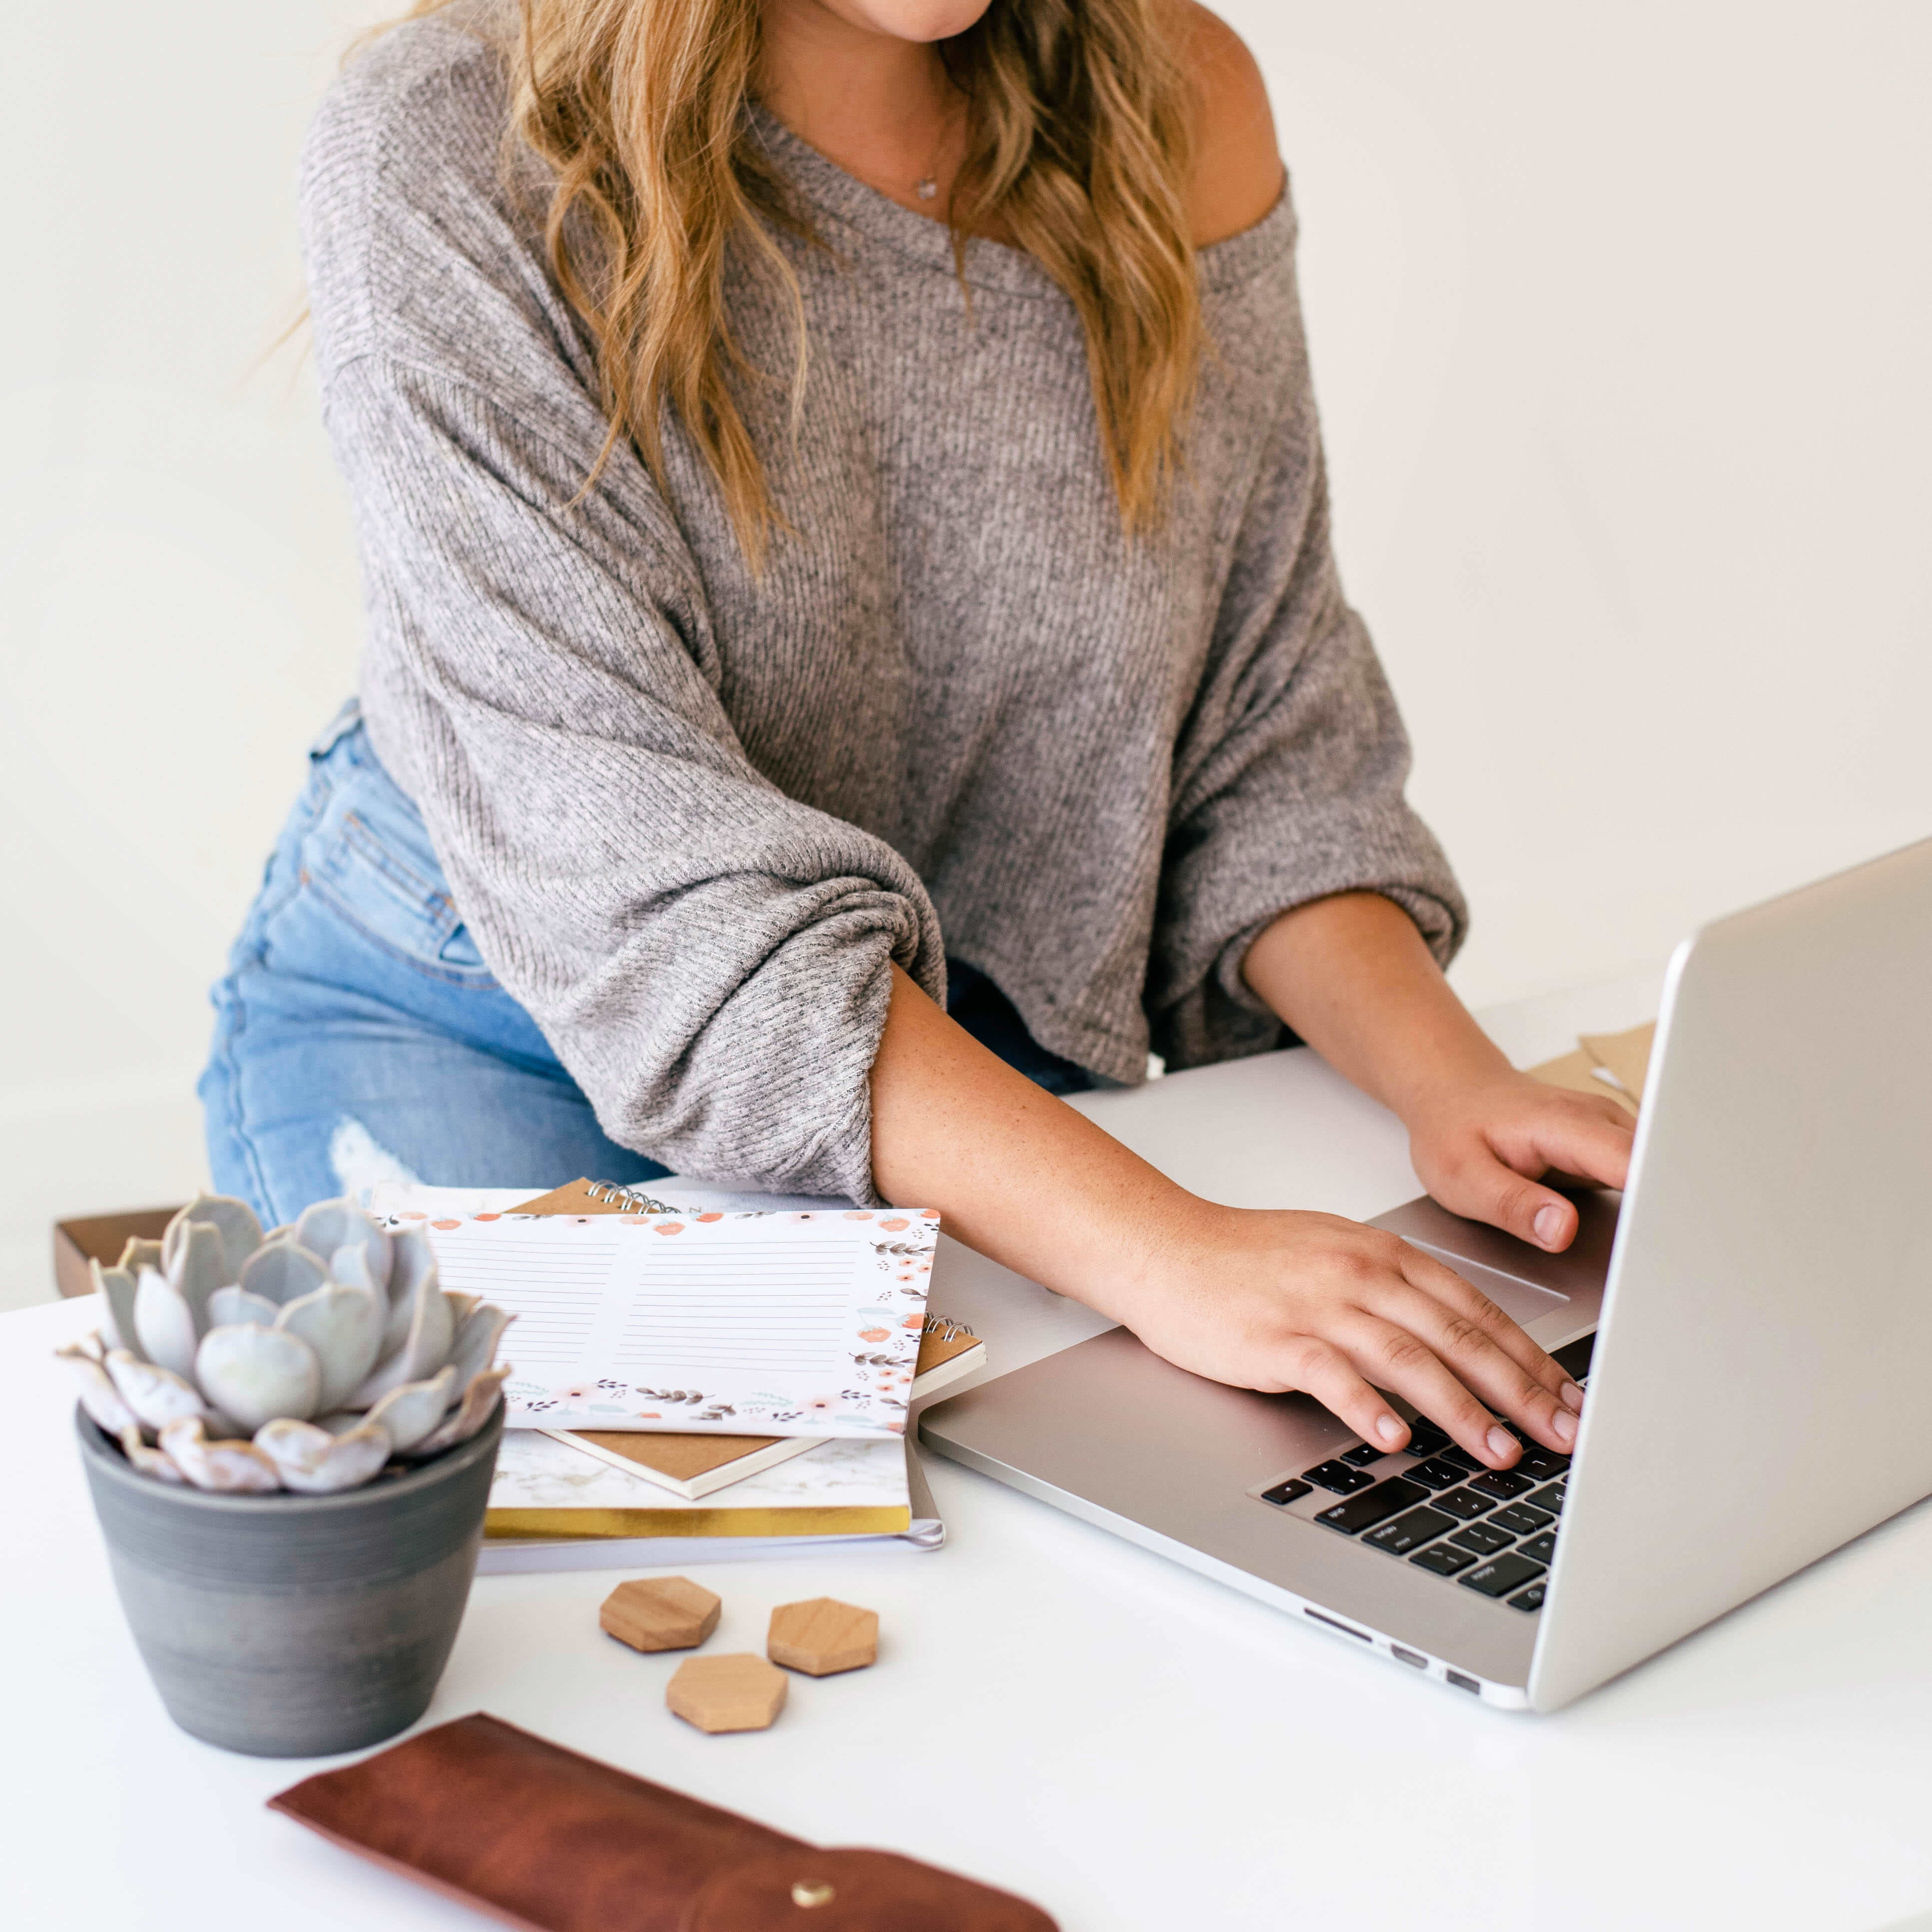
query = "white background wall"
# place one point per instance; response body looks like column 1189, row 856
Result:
column 1619, row 317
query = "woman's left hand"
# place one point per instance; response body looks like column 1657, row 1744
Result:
column 1484, row 1149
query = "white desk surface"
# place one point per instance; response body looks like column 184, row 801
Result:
column 1054, row 1711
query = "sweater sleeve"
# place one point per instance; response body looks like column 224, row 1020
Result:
column 709, row 958
column 1289, row 780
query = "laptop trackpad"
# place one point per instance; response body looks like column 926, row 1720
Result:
column 1520, row 1300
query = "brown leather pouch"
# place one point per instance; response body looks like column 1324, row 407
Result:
column 553, row 1842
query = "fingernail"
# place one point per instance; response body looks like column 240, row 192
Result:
column 1500, row 1442
column 1572, row 1395
column 1390, row 1430
column 1549, row 1224
column 1563, row 1425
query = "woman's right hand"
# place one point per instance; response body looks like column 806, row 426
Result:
column 1279, row 1301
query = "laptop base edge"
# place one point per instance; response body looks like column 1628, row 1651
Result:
column 1513, row 1697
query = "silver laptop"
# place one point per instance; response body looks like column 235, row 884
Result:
column 1752, row 1321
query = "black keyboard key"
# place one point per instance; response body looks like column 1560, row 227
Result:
column 1520, row 1520
column 1410, row 1531
column 1425, row 1438
column 1503, row 1484
column 1539, row 1549
column 1437, row 1475
column 1464, row 1503
column 1463, row 1459
column 1531, row 1599
column 1481, row 1539
column 1291, row 1491
column 1443, row 1559
column 1365, row 1452
column 1540, row 1463
column 1573, row 1358
column 1338, row 1477
column 1500, row 1575
column 1360, row 1513
column 1550, row 1498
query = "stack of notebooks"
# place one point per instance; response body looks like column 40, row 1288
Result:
column 650, row 1340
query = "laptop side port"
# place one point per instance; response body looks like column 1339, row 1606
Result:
column 1336, row 1623
column 1462, row 1683
column 1415, row 1656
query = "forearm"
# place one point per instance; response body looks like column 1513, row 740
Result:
column 1016, row 1174
column 1352, row 976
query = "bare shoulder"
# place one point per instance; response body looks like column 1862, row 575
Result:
column 1238, row 170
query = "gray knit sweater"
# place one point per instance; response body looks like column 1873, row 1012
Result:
column 689, row 814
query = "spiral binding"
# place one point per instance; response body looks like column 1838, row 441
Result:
column 628, row 1199
column 947, row 1331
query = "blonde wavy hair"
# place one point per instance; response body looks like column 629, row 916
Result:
column 1079, row 138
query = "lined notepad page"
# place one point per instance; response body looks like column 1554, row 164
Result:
column 793, row 1324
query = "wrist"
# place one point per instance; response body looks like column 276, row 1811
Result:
column 1142, row 1251
column 1445, row 1080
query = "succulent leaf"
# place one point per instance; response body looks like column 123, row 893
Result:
column 234, row 1222
column 405, row 1294
column 477, row 1334
column 424, row 1349
column 411, row 1262
column 283, row 1271
column 156, row 1396
column 116, row 1288
column 150, row 1462
column 257, row 1374
column 138, row 1254
column 241, row 1233
column 479, row 1398
column 236, row 1467
column 350, row 1266
column 165, row 1323
column 98, row 1396
column 198, row 1267
column 330, row 1225
column 228, row 1305
column 343, row 1326
column 410, row 1412
column 312, row 1461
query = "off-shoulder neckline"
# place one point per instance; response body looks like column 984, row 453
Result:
column 864, row 211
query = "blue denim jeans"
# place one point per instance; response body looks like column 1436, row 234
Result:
column 359, row 1036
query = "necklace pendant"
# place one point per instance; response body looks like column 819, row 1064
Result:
column 926, row 189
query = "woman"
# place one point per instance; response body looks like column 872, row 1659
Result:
column 838, row 485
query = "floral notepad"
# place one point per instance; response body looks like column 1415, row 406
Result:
column 735, row 1322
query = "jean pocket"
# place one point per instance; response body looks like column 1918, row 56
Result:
column 369, row 857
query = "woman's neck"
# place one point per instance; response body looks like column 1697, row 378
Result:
column 879, row 105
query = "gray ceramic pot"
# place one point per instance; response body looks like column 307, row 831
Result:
column 289, row 1626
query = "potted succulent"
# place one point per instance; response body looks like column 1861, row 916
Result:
column 289, row 1439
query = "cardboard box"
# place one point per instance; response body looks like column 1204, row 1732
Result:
column 100, row 1237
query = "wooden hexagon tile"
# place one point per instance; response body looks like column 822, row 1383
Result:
column 822, row 1635
column 733, row 1693
column 660, row 1613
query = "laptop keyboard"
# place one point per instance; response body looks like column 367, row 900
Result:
column 1491, row 1531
